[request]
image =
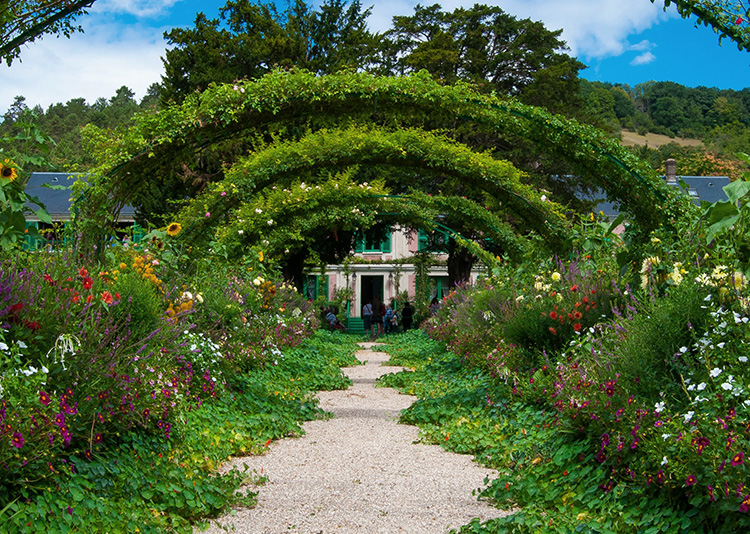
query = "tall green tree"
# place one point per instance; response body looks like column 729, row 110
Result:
column 22, row 21
column 488, row 47
column 251, row 38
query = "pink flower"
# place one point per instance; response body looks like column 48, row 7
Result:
column 738, row 459
column 208, row 214
column 691, row 480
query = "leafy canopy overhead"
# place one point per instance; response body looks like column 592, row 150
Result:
column 22, row 21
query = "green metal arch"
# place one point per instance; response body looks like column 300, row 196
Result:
column 223, row 110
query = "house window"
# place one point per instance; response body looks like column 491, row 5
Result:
column 315, row 286
column 375, row 240
column 435, row 241
column 441, row 287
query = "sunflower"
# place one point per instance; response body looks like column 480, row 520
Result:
column 7, row 171
column 174, row 229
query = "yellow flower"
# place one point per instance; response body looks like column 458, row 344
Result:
column 555, row 276
column 174, row 229
column 260, row 256
column 7, row 171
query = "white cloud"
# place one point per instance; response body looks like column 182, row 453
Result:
column 90, row 65
column 643, row 59
column 137, row 8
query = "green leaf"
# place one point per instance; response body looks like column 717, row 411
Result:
column 736, row 190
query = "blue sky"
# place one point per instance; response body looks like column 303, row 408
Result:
column 625, row 41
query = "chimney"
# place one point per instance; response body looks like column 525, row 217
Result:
column 671, row 174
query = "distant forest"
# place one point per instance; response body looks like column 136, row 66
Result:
column 481, row 45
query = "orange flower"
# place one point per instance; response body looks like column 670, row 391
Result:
column 106, row 297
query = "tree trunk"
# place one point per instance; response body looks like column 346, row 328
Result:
column 460, row 262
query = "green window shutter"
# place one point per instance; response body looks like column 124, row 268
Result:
column 385, row 246
column 360, row 244
column 423, row 241
column 325, row 287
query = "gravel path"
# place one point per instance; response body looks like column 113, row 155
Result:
column 361, row 471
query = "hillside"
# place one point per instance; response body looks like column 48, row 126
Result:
column 653, row 140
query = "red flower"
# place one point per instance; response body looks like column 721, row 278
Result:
column 553, row 315
column 75, row 298
column 106, row 297
column 574, row 288
column 48, row 279
column 739, row 21
column 552, row 331
column 87, row 283
column 83, row 273
column 577, row 315
column 577, row 327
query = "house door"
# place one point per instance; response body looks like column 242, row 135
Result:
column 372, row 286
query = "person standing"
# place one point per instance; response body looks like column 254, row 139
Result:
column 367, row 316
column 378, row 309
column 407, row 314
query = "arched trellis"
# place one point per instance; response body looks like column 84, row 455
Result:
column 223, row 111
column 284, row 218
column 336, row 149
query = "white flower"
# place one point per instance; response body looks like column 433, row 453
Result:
column 683, row 350
column 691, row 387
column 258, row 210
column 240, row 232
column 21, row 344
column 715, row 372
column 659, row 407
column 664, row 461
column 519, row 298
column 665, row 436
column 701, row 386
column 30, row 371
column 688, row 416
column 726, row 386
column 743, row 359
column 199, row 297
column 3, row 346
column 270, row 222
column 544, row 198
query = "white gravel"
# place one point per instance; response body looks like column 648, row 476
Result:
column 360, row 471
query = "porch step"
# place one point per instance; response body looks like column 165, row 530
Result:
column 356, row 325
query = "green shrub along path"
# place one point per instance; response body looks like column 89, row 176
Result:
column 360, row 471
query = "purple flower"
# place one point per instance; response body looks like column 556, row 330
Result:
column 692, row 479
column 738, row 459
column 17, row 440
column 44, row 398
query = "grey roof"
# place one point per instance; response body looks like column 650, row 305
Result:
column 700, row 189
column 58, row 202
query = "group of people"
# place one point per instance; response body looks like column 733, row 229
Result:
column 381, row 318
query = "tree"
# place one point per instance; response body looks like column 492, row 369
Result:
column 251, row 38
column 22, row 21
column 488, row 47
column 728, row 18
